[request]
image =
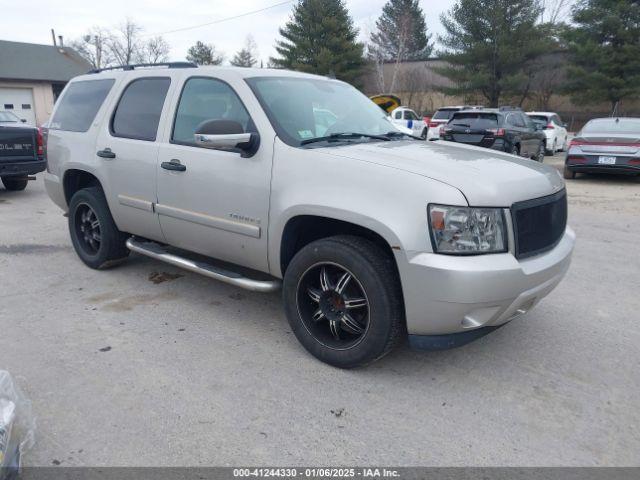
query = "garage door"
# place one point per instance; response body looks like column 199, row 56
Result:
column 18, row 101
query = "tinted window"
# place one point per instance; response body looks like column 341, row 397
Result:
column 475, row 120
column 557, row 119
column 515, row 120
column 79, row 105
column 138, row 112
column 444, row 114
column 409, row 115
column 527, row 121
column 539, row 118
column 613, row 125
column 205, row 99
column 398, row 115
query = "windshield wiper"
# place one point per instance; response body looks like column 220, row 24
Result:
column 343, row 135
column 400, row 134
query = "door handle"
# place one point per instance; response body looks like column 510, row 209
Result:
column 106, row 153
column 173, row 165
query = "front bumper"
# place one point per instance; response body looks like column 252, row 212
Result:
column 21, row 169
column 446, row 294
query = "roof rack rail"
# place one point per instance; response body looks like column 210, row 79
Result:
column 507, row 108
column 139, row 65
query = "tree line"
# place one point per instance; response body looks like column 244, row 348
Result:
column 495, row 50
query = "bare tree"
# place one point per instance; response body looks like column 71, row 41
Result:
column 154, row 50
column 554, row 11
column 125, row 44
column 93, row 47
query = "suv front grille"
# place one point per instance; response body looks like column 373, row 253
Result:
column 539, row 224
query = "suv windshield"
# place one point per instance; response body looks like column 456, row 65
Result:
column 302, row 110
column 475, row 120
column 8, row 117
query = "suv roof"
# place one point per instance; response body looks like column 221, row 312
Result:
column 243, row 72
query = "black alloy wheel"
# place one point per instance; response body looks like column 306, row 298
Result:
column 333, row 305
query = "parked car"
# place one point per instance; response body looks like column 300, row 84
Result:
column 441, row 117
column 371, row 233
column 507, row 129
column 21, row 151
column 553, row 128
column 407, row 118
column 608, row 145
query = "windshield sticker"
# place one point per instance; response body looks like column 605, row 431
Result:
column 305, row 133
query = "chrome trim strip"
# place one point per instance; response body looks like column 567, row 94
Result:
column 158, row 252
column 134, row 202
column 209, row 221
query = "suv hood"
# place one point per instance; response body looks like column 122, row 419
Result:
column 485, row 177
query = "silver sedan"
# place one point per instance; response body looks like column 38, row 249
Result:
column 610, row 145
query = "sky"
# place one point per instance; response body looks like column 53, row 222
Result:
column 32, row 20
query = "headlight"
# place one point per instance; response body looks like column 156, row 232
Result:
column 467, row 230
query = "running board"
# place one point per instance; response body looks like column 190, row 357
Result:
column 159, row 252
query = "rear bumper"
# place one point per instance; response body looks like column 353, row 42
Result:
column 53, row 186
column 20, row 169
column 617, row 169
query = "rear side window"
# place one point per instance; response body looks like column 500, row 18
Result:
column 539, row 118
column 138, row 112
column 79, row 105
column 475, row 120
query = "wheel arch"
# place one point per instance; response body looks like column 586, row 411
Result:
column 303, row 228
column 75, row 179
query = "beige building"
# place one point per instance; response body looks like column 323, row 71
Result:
column 32, row 76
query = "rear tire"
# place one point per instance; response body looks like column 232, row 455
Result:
column 94, row 234
column 317, row 307
column 15, row 184
column 515, row 150
column 568, row 174
column 540, row 155
column 553, row 149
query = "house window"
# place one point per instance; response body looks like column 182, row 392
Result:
column 8, row 106
column 26, row 106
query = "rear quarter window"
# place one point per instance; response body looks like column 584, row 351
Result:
column 79, row 105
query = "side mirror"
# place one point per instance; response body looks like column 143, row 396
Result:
column 226, row 135
column 23, row 120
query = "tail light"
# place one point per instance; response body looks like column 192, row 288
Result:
column 577, row 141
column 433, row 124
column 549, row 126
column 497, row 132
column 40, row 142
column 444, row 131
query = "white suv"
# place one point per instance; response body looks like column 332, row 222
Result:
column 300, row 181
column 555, row 130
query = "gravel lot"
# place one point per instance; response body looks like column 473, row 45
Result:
column 148, row 365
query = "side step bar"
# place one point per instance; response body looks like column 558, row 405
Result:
column 159, row 252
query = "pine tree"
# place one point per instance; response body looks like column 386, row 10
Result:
column 246, row 57
column 490, row 46
column 604, row 51
column 320, row 38
column 401, row 32
column 204, row 54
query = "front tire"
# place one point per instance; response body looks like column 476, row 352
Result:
column 15, row 184
column 343, row 301
column 94, row 234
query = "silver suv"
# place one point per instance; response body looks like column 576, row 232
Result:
column 267, row 178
